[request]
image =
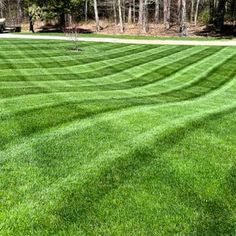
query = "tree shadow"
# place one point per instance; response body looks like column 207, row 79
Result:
column 215, row 215
column 228, row 32
column 58, row 29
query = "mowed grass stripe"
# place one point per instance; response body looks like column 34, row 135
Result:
column 96, row 162
column 159, row 70
column 39, row 89
column 68, row 61
column 90, row 49
column 164, row 71
column 50, row 45
column 105, row 69
column 81, row 67
column 121, row 76
column 46, row 57
column 93, row 107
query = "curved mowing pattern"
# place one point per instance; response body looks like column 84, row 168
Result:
column 117, row 139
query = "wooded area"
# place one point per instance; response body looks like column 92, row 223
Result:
column 216, row 13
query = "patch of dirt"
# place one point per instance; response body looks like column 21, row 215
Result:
column 110, row 28
column 134, row 29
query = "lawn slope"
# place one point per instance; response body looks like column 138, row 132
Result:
column 117, row 139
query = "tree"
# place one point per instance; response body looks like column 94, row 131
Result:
column 19, row 9
column 114, row 11
column 196, row 12
column 140, row 17
column 130, row 12
column 34, row 13
column 183, row 25
column 145, row 16
column 192, row 10
column 120, row 17
column 2, row 7
column 119, row 11
column 167, row 14
column 96, row 15
column 86, row 10
column 220, row 15
column 157, row 9
column 134, row 12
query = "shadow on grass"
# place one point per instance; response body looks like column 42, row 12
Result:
column 79, row 205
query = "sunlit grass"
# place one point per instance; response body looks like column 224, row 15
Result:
column 117, row 139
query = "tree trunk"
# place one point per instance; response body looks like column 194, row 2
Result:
column 19, row 12
column 140, row 18
column 120, row 17
column 145, row 17
column 134, row 12
column 86, row 10
column 130, row 12
column 167, row 14
column 220, row 15
column 123, row 10
column 212, row 11
column 114, row 11
column 62, row 21
column 31, row 21
column 192, row 9
column 68, row 19
column 96, row 15
column 157, row 9
column 178, row 10
column 196, row 12
column 183, row 25
column 9, row 10
column 1, row 8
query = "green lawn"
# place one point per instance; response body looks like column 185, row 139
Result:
column 117, row 139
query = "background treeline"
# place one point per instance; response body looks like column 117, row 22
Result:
column 140, row 12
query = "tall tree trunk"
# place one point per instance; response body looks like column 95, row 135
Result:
column 212, row 11
column 140, row 17
column 145, row 17
column 114, row 12
column 192, row 10
column 220, row 15
column 123, row 10
column 31, row 21
column 96, row 15
column 86, row 10
column 62, row 20
column 196, row 12
column 167, row 14
column 120, row 17
column 157, row 11
column 130, row 12
column 68, row 19
column 178, row 10
column 2, row 6
column 9, row 9
column 234, row 12
column 183, row 25
column 19, row 12
column 134, row 12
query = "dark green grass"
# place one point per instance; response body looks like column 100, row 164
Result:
column 117, row 139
